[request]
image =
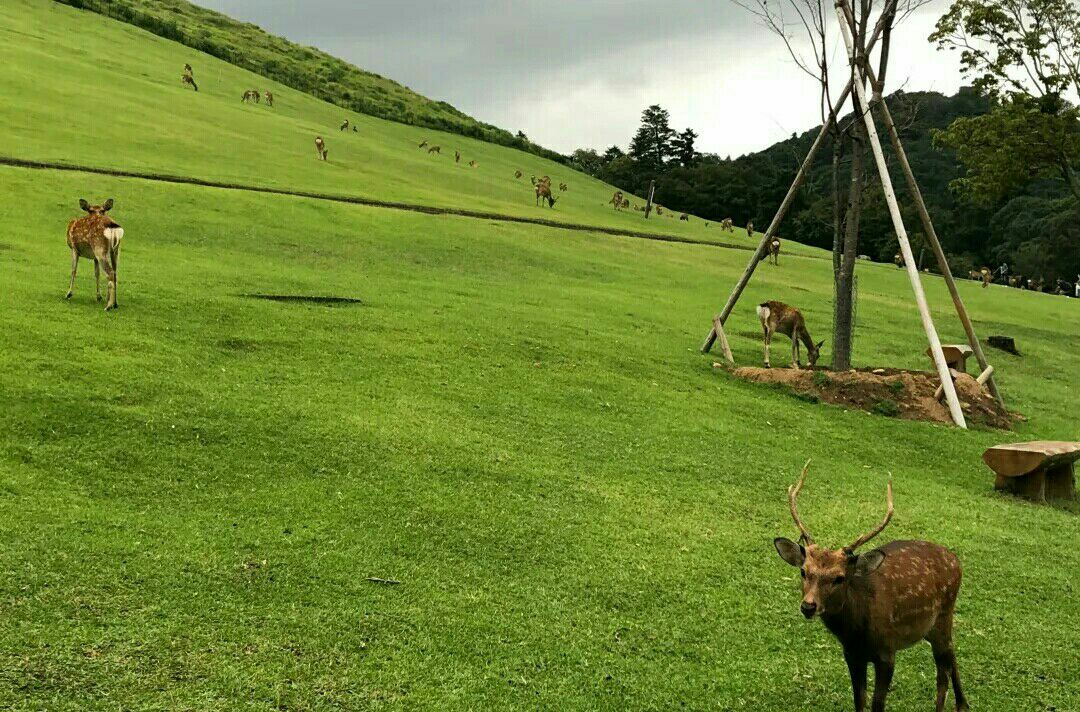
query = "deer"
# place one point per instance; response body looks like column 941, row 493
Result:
column 435, row 149
column 659, row 210
column 247, row 96
column 320, row 148
column 543, row 192
column 96, row 236
column 684, row 217
column 563, row 187
column 774, row 250
column 1036, row 285
column 186, row 79
column 879, row 602
column 1017, row 281
column 750, row 229
column 269, row 98
column 423, row 144
column 473, row 164
column 457, row 156
column 777, row 317
column 898, row 260
column 727, row 224
column 344, row 125
column 519, row 174
column 616, row 199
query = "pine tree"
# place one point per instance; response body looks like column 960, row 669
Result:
column 652, row 145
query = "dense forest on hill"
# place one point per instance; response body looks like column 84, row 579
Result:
column 1037, row 231
column 305, row 69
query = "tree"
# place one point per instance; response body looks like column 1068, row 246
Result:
column 522, row 136
column 652, row 144
column 683, row 148
column 612, row 153
column 587, row 161
column 1025, row 55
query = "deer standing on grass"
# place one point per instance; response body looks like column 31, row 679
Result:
column 880, row 602
column 616, row 199
column 457, row 156
column 345, row 125
column 684, row 217
column 269, row 99
column 423, row 144
column 320, row 148
column 777, row 317
column 543, row 192
column 750, row 229
column 96, row 236
column 563, row 187
column 435, row 149
column 774, row 250
column 727, row 224
column 188, row 77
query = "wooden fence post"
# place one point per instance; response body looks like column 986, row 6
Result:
column 648, row 199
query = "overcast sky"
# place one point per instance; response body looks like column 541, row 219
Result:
column 578, row 73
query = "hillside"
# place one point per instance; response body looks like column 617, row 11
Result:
column 306, row 69
column 135, row 115
column 503, row 478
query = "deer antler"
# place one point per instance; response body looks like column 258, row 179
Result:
column 793, row 494
column 885, row 522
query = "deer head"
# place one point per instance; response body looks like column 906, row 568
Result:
column 827, row 573
column 96, row 209
column 815, row 352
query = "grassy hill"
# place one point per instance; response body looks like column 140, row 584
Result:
column 515, row 423
column 306, row 69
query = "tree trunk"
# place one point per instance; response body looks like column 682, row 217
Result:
column 838, row 211
column 843, row 323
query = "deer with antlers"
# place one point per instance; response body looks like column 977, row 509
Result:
column 880, row 601
column 543, row 192
column 780, row 318
column 96, row 236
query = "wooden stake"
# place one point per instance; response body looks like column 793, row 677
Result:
column 898, row 223
column 935, row 244
column 648, row 200
column 718, row 329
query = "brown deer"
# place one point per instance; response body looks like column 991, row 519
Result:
column 898, row 260
column 880, row 602
column 777, row 317
column 344, row 125
column 684, row 217
column 186, row 79
column 774, row 250
column 727, row 224
column 659, row 210
column 269, row 99
column 320, row 148
column 473, row 164
column 435, row 149
column 518, row 174
column 563, row 187
column 96, row 236
column 543, row 192
column 616, row 199
column 423, row 143
column 749, row 229
column 987, row 276
column 457, row 156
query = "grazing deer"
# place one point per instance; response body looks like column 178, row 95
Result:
column 563, row 187
column 345, row 125
column 1036, row 285
column 543, row 192
column 684, row 217
column 749, row 229
column 423, row 143
column 518, row 174
column 616, row 199
column 898, row 260
column 777, row 317
column 457, row 156
column 435, row 149
column 880, row 602
column 269, row 98
column 1016, row 281
column 96, row 236
column 659, row 210
column 186, row 79
column 473, row 164
column 246, row 97
column 774, row 250
column 320, row 147
column 727, row 224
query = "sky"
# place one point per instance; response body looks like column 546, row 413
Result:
column 578, row 74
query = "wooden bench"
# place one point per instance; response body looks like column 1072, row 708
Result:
column 956, row 356
column 1035, row 470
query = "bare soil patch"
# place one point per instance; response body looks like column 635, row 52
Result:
column 886, row 391
column 305, row 298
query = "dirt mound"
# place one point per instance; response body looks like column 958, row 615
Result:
column 891, row 392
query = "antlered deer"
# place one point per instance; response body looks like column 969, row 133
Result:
column 880, row 602
column 96, row 236
column 320, row 147
column 774, row 250
column 777, row 317
column 543, row 192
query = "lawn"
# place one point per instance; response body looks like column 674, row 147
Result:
column 515, row 424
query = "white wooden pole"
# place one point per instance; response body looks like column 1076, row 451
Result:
column 898, row 223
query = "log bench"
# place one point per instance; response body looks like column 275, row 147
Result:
column 1036, row 470
column 956, row 355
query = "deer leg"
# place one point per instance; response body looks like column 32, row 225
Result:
column 795, row 349
column 97, row 280
column 102, row 259
column 857, row 669
column 74, row 269
column 883, row 674
column 115, row 256
column 768, row 341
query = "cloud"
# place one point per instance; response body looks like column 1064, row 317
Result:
column 579, row 73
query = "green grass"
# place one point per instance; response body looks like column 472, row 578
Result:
column 516, row 424
column 133, row 114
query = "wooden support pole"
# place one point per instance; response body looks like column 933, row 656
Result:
column 986, row 375
column 785, row 204
column 935, row 244
column 718, row 327
column 649, row 197
column 898, row 222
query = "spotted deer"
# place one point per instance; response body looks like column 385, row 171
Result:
column 96, row 236
column 780, row 318
column 879, row 602
column 774, row 250
column 320, row 148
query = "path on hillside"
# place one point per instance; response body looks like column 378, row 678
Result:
column 370, row 202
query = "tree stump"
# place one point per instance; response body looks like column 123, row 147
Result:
column 1035, row 470
column 1005, row 343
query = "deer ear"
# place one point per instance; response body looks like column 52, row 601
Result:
column 108, row 205
column 867, row 563
column 790, row 551
column 83, row 204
